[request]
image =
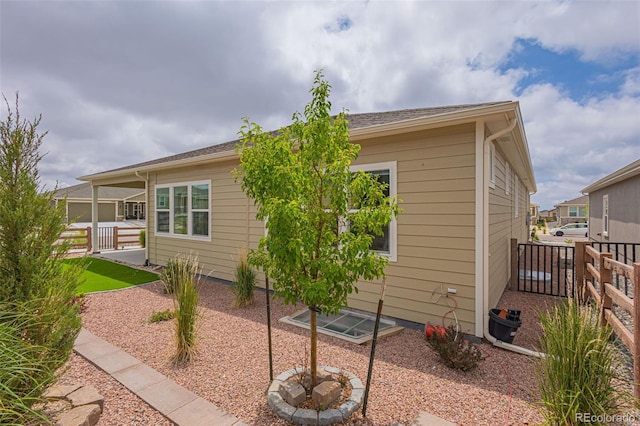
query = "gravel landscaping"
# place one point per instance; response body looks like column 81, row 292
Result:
column 231, row 368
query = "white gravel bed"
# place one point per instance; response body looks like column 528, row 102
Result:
column 231, row 369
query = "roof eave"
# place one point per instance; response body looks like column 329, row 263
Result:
column 429, row 122
column 624, row 173
column 208, row 158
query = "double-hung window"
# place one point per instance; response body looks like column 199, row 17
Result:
column 386, row 172
column 577, row 211
column 183, row 209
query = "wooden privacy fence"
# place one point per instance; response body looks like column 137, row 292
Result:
column 110, row 238
column 594, row 267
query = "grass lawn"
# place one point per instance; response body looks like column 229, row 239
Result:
column 103, row 275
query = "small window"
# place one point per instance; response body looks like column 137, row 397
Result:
column 507, row 183
column 516, row 194
column 183, row 209
column 492, row 166
column 605, row 215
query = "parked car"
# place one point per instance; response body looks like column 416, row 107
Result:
column 574, row 229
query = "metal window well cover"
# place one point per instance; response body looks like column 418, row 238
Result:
column 354, row 327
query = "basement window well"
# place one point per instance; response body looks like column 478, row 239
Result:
column 348, row 325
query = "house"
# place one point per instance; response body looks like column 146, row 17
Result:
column 614, row 209
column 572, row 211
column 548, row 215
column 114, row 203
column 534, row 213
column 464, row 176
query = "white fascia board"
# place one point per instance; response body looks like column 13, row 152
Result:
column 430, row 122
column 130, row 171
column 624, row 173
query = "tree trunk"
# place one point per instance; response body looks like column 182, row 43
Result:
column 314, row 347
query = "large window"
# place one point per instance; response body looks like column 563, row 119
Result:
column 577, row 211
column 385, row 244
column 183, row 209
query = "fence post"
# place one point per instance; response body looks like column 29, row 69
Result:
column 88, row 231
column 514, row 264
column 605, row 277
column 115, row 238
column 636, row 331
column 578, row 266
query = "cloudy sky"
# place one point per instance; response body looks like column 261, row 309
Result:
column 120, row 82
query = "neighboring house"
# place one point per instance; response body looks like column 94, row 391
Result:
column 614, row 206
column 573, row 211
column 464, row 176
column 114, row 204
column 548, row 215
column 534, row 213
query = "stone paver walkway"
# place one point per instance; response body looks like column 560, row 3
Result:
column 176, row 403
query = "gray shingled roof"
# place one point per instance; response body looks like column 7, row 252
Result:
column 576, row 201
column 83, row 191
column 356, row 121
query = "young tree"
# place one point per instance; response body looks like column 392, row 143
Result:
column 321, row 217
column 33, row 281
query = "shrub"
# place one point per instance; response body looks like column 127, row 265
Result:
column 39, row 317
column 455, row 352
column 170, row 276
column 142, row 237
column 577, row 375
column 160, row 316
column 245, row 282
column 26, row 369
column 184, row 272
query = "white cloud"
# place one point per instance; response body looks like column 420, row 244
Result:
column 122, row 82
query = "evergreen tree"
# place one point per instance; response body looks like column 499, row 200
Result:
column 36, row 290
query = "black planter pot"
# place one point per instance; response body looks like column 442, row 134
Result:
column 504, row 329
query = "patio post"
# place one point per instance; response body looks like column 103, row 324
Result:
column 94, row 219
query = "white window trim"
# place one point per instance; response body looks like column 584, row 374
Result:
column 392, row 166
column 507, row 184
column 190, row 210
column 605, row 215
column 492, row 166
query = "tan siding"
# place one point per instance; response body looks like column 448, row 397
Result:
column 436, row 231
column 504, row 225
column 228, row 226
column 436, row 183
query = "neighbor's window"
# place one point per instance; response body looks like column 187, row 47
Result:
column 507, row 183
column 605, row 215
column 183, row 209
column 385, row 244
column 577, row 211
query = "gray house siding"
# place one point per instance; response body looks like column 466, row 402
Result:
column 624, row 212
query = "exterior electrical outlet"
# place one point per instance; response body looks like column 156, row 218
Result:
column 452, row 290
